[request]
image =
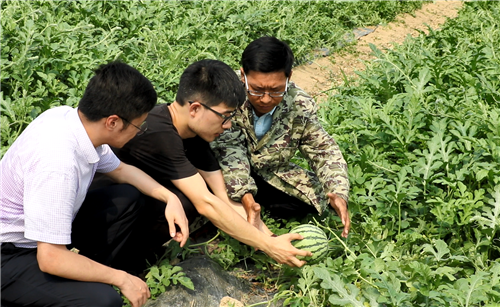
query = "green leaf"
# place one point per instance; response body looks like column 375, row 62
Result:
column 342, row 296
column 186, row 282
column 441, row 249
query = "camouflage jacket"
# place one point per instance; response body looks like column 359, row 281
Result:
column 295, row 127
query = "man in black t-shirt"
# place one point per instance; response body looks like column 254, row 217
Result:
column 175, row 151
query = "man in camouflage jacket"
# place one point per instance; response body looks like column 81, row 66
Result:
column 249, row 153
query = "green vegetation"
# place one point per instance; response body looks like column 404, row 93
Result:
column 420, row 130
column 50, row 48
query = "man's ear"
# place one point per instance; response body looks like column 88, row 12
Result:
column 242, row 77
column 194, row 108
column 112, row 122
column 290, row 77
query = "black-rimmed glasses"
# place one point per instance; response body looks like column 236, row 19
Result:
column 142, row 128
column 260, row 94
column 225, row 118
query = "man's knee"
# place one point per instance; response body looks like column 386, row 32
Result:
column 102, row 296
column 111, row 299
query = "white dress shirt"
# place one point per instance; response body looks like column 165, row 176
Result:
column 44, row 177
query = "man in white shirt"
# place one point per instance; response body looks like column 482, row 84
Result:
column 44, row 180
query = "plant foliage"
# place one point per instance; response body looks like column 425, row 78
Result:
column 420, row 130
column 49, row 49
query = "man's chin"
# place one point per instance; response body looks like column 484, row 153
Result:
column 209, row 138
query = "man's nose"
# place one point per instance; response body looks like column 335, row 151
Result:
column 227, row 125
column 266, row 98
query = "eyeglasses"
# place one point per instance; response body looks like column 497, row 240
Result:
column 143, row 128
column 225, row 118
column 260, row 94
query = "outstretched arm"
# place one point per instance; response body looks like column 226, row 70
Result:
column 327, row 162
column 224, row 217
column 248, row 208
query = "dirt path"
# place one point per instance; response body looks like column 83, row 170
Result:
column 325, row 72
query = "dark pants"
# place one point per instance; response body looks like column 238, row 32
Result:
column 100, row 231
column 278, row 203
column 152, row 229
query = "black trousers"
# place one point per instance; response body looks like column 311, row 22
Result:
column 278, row 203
column 152, row 231
column 101, row 230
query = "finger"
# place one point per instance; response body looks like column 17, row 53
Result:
column 178, row 237
column 338, row 212
column 294, row 262
column 185, row 232
column 256, row 208
column 298, row 252
column 293, row 236
column 135, row 303
column 347, row 227
column 171, row 226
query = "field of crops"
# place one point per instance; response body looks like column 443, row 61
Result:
column 420, row 130
column 49, row 48
column 421, row 133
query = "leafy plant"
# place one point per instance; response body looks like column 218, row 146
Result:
column 49, row 48
column 163, row 275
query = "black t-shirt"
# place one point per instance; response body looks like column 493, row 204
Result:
column 163, row 154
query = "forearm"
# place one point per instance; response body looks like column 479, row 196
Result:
column 326, row 160
column 215, row 181
column 233, row 223
column 126, row 173
column 59, row 261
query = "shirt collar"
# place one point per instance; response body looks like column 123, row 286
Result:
column 82, row 138
column 268, row 113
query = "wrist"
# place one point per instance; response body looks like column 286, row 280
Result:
column 118, row 278
column 266, row 243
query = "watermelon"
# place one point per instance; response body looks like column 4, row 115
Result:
column 315, row 241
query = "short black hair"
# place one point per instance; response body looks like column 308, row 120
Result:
column 117, row 89
column 210, row 82
column 267, row 54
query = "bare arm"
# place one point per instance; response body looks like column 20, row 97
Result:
column 248, row 209
column 59, row 261
column 224, row 217
column 174, row 212
column 215, row 181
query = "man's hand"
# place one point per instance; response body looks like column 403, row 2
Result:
column 340, row 207
column 253, row 213
column 174, row 213
column 284, row 252
column 135, row 290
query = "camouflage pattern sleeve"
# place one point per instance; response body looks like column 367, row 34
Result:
column 324, row 157
column 231, row 152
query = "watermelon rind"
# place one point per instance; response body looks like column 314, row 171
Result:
column 315, row 241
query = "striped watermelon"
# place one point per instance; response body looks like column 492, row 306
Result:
column 315, row 241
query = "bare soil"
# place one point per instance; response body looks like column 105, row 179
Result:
column 319, row 76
